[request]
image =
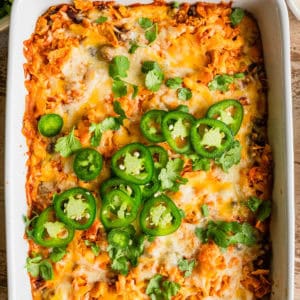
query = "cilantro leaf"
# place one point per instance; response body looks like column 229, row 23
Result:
column 145, row 22
column 236, row 16
column 57, row 254
column 174, row 83
column 133, row 47
column 221, row 83
column 135, row 91
column 29, row 225
column 225, row 234
column 230, row 157
column 264, row 210
column 101, row 20
column 94, row 247
column 151, row 33
column 253, row 203
column 153, row 80
column 199, row 163
column 212, row 137
column 38, row 267
column 159, row 289
column 32, row 265
column 170, row 175
column 120, row 111
column 122, row 257
column 205, row 210
column 67, row 145
column 46, row 270
column 109, row 123
column 150, row 65
column 186, row 266
column 175, row 4
column 184, row 94
column 118, row 67
column 119, row 88
column 54, row 228
column 170, row 289
column 154, row 284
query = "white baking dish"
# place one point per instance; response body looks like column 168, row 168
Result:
column 272, row 17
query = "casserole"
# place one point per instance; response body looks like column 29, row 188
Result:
column 12, row 234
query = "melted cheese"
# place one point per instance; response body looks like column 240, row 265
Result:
column 76, row 85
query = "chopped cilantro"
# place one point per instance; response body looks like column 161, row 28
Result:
column 176, row 4
column 186, row 266
column 153, row 80
column 150, row 65
column 38, row 267
column 221, row 83
column 29, row 225
column 230, row 157
column 135, row 91
column 67, row 145
column 205, row 210
column 124, row 257
column 101, row 20
column 145, row 23
column 119, row 88
column 54, row 228
column 46, row 270
column 118, row 67
column 58, row 253
column 133, row 47
column 94, row 247
column 225, row 234
column 236, row 16
column 184, row 94
column 160, row 289
column 120, row 111
column 199, row 163
column 150, row 27
column 212, row 137
column 170, row 175
column 109, row 123
column 264, row 210
column 253, row 203
column 32, row 265
column 174, row 83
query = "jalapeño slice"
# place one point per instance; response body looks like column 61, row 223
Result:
column 151, row 187
column 176, row 127
column 50, row 232
column 50, row 125
column 118, row 209
column 159, row 156
column 151, row 125
column 133, row 163
column 76, row 207
column 131, row 189
column 87, row 164
column 229, row 111
column 160, row 216
column 210, row 138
